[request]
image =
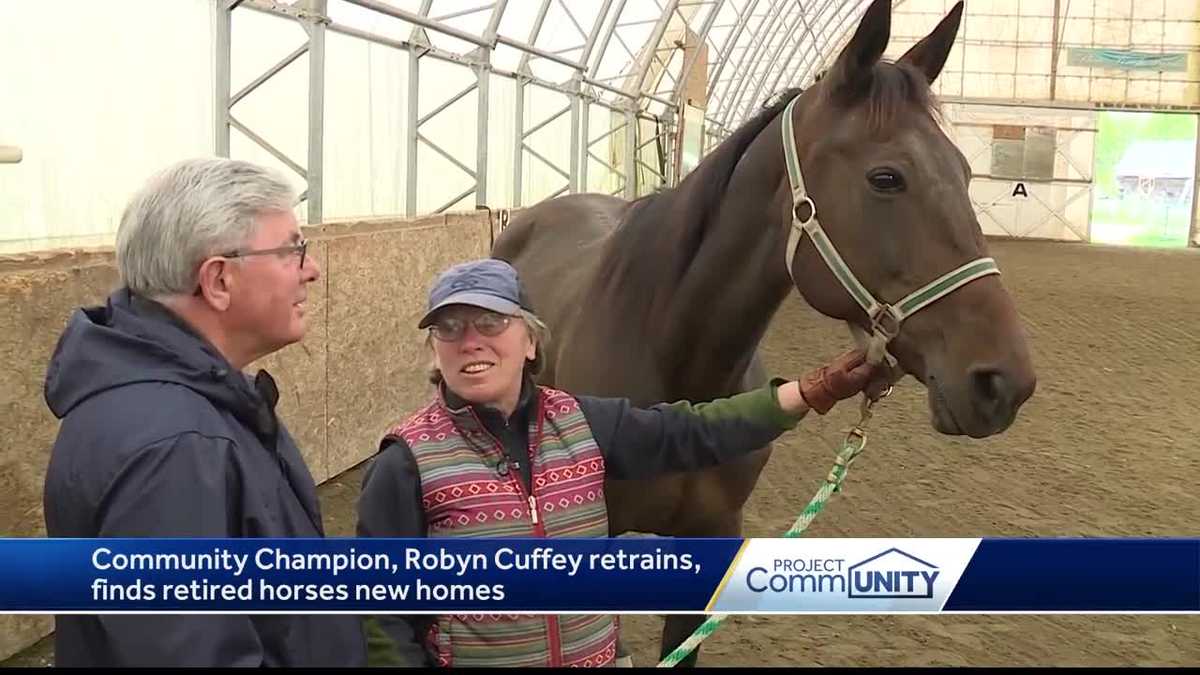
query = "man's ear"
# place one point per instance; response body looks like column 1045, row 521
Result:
column 215, row 283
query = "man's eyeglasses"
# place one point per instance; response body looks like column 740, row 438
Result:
column 300, row 248
column 452, row 328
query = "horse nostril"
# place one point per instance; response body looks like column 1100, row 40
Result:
column 991, row 391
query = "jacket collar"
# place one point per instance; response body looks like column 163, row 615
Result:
column 251, row 399
column 257, row 411
column 468, row 416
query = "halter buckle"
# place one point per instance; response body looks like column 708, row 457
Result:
column 886, row 322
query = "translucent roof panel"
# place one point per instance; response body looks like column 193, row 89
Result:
column 423, row 105
column 645, row 54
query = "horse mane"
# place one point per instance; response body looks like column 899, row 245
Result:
column 693, row 204
column 669, row 226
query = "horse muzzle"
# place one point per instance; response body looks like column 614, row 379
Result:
column 982, row 403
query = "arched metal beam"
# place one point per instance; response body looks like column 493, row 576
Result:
column 774, row 63
column 755, row 38
column 690, row 63
column 727, row 48
column 660, row 27
column 756, row 62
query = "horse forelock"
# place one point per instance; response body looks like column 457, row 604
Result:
column 890, row 91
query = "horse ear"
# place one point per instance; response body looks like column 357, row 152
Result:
column 929, row 55
column 853, row 66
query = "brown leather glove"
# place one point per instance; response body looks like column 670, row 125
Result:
column 847, row 376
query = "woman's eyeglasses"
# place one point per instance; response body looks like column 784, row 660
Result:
column 452, row 328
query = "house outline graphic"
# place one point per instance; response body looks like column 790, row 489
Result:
column 850, row 571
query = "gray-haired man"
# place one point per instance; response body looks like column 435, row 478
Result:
column 162, row 434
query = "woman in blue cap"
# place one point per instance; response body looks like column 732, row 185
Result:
column 495, row 455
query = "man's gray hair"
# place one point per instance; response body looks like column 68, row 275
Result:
column 188, row 212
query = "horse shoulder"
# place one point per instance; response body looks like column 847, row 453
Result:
column 556, row 245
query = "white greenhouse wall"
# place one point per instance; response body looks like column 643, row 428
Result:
column 96, row 98
column 101, row 101
column 1050, row 207
column 1005, row 49
column 99, row 95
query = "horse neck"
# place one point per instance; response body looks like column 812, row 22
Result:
column 710, row 314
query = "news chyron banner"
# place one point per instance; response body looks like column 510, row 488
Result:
column 584, row 576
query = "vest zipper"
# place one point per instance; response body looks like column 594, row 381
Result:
column 553, row 635
column 555, row 641
column 538, row 529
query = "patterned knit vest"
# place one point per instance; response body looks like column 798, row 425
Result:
column 468, row 491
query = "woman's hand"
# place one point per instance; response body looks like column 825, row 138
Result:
column 845, row 377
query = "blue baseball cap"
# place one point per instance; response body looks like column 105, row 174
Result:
column 487, row 283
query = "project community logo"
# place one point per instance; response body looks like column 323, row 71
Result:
column 890, row 574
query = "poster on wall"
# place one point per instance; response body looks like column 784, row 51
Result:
column 1145, row 175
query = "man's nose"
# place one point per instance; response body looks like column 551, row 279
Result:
column 311, row 271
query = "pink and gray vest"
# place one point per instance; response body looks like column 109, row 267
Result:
column 465, row 494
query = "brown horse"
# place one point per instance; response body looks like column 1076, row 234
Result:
column 667, row 297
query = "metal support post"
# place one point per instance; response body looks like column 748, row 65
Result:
column 316, row 109
column 631, row 129
column 583, row 146
column 576, row 146
column 221, row 80
column 414, row 132
column 1194, row 230
column 481, row 132
column 519, row 143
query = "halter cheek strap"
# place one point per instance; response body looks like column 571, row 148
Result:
column 885, row 318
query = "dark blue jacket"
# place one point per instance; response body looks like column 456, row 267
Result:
column 160, row 437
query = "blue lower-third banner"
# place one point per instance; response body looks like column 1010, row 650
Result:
column 627, row 575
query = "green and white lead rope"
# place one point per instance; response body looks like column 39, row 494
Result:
column 855, row 441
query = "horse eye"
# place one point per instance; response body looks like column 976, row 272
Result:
column 886, row 180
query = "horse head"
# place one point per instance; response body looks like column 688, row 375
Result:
column 887, row 192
